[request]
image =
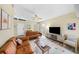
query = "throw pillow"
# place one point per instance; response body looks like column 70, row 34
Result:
column 19, row 41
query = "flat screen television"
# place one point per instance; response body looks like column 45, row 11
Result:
column 55, row 30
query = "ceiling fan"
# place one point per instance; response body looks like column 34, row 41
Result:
column 36, row 17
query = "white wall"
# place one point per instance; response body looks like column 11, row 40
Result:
column 77, row 9
column 6, row 34
column 62, row 22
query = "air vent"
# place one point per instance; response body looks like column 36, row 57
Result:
column 19, row 19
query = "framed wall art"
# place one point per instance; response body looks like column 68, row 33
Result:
column 0, row 21
column 72, row 26
column 5, row 19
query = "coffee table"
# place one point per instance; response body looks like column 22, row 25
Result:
column 43, row 49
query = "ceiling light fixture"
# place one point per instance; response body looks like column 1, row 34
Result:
column 36, row 17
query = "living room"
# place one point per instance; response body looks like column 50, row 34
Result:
column 37, row 19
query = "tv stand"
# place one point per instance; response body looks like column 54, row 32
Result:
column 51, row 36
column 54, row 37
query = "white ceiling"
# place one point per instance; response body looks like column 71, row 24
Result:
column 45, row 11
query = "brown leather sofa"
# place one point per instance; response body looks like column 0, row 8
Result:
column 11, row 46
column 33, row 34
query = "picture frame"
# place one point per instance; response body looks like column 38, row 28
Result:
column 0, row 20
column 4, row 19
column 72, row 26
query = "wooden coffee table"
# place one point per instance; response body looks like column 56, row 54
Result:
column 43, row 49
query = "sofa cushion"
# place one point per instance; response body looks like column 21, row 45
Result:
column 33, row 34
column 28, row 49
column 24, row 38
column 71, row 43
column 72, row 38
column 19, row 50
column 25, row 43
column 11, row 48
column 29, row 33
column 24, row 49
